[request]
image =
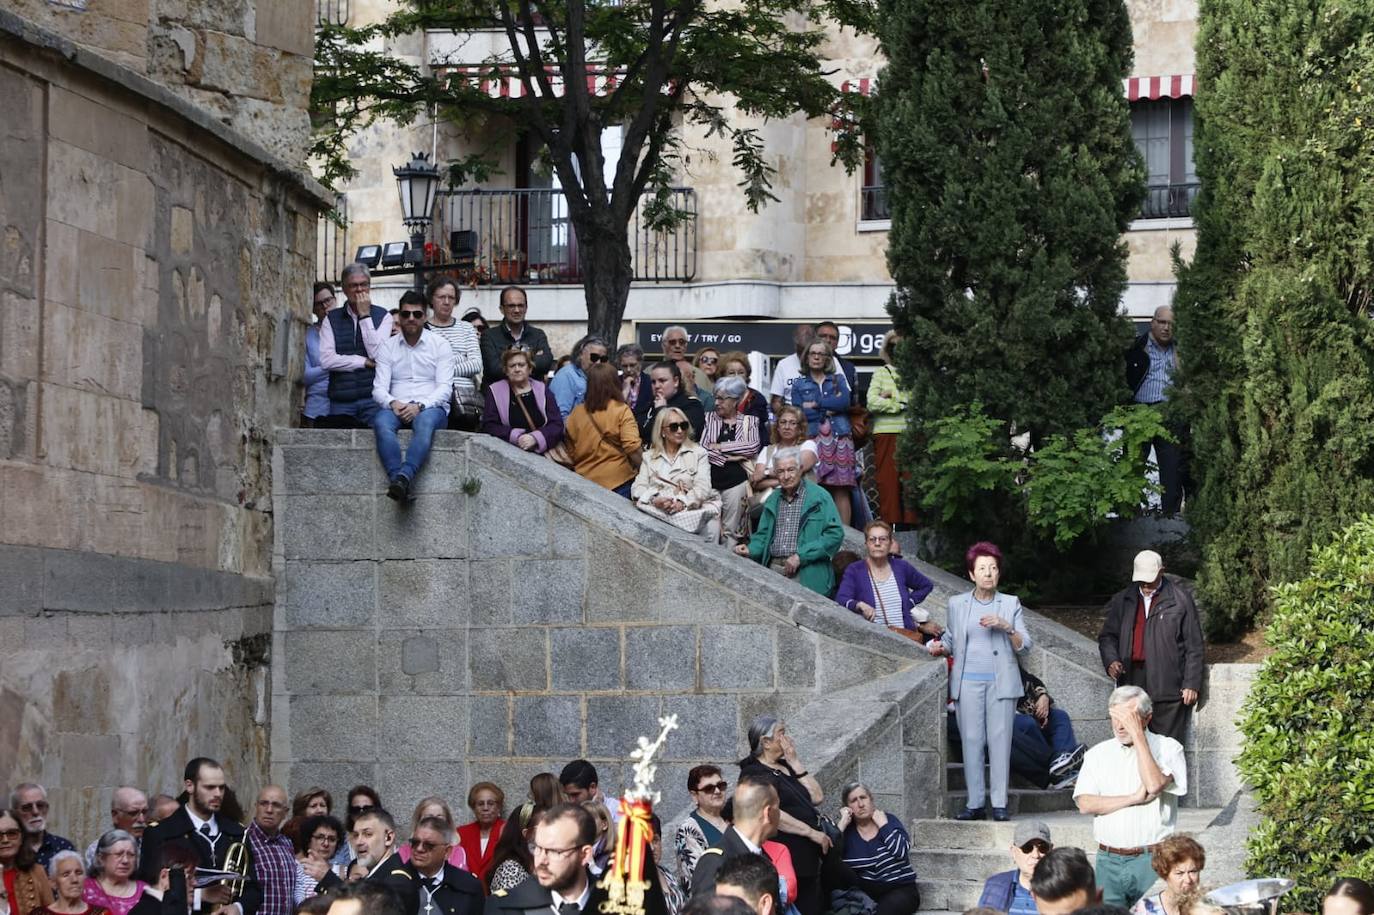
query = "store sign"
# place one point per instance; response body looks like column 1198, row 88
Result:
column 773, row 338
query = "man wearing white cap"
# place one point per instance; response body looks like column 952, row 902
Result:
column 1152, row 638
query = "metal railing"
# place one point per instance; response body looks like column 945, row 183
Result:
column 332, row 253
column 873, row 203
column 332, row 12
column 525, row 235
column 1169, row 201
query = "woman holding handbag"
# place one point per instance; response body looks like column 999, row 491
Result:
column 601, row 433
column 886, row 589
column 731, row 439
column 521, row 410
column 674, row 481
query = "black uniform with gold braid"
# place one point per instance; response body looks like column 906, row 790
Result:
column 456, row 893
column 529, row 898
column 394, row 873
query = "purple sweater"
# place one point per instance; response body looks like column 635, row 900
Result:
column 856, row 586
column 497, row 421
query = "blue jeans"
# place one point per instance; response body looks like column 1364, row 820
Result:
column 361, row 412
column 1034, row 748
column 386, row 423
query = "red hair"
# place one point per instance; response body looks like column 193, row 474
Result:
column 982, row 548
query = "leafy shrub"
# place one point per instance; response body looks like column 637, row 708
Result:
column 1309, row 724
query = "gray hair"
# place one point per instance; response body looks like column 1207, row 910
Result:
column 63, row 856
column 109, row 840
column 672, row 327
column 22, row 787
column 787, row 454
column 850, row 788
column 731, row 386
column 630, row 349
column 588, row 340
column 1123, row 694
column 763, row 726
column 354, row 269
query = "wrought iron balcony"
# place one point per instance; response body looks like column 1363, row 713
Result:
column 1169, row 201
column 526, row 236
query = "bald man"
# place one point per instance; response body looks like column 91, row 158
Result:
column 282, row 881
column 1150, row 366
column 756, row 813
column 129, row 812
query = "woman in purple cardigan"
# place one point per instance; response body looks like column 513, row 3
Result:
column 520, row 410
column 884, row 589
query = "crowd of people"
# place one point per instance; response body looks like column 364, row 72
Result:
column 687, row 438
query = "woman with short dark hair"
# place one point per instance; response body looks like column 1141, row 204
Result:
column 443, row 294
column 705, row 825
column 318, row 841
column 1349, row 896
column 877, row 849
column 665, row 378
column 511, row 862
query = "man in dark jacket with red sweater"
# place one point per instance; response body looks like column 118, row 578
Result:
column 1152, row 638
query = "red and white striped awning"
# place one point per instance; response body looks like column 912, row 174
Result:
column 1141, row 88
column 503, row 82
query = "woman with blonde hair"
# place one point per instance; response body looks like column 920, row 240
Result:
column 674, row 480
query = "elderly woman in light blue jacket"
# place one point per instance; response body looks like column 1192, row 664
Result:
column 986, row 632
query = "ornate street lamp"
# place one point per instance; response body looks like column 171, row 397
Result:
column 417, row 182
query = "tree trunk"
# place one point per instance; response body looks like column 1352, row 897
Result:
column 603, row 253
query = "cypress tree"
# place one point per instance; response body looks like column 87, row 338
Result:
column 1273, row 310
column 1005, row 139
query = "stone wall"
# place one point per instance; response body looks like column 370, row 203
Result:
column 517, row 616
column 154, row 288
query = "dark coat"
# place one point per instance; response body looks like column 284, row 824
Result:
column 1173, row 639
column 178, row 828
column 458, row 893
column 497, row 339
column 1137, row 363
column 691, row 407
column 529, row 898
column 396, row 874
column 644, row 400
column 729, row 847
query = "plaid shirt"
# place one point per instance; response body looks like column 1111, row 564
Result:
column 276, row 870
column 787, row 524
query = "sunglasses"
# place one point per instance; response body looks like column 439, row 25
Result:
column 708, row 360
column 714, row 788
column 1036, row 845
column 677, row 427
column 360, row 808
column 34, row 807
column 597, row 357
column 422, row 845
column 407, row 313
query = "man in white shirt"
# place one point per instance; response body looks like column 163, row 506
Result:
column 790, row 368
column 412, row 386
column 1131, row 785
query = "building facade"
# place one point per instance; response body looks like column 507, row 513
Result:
column 818, row 252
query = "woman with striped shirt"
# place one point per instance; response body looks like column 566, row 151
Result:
column 731, row 440
column 877, row 849
column 885, row 589
column 462, row 337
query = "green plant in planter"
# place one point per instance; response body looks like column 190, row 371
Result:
column 1309, row 724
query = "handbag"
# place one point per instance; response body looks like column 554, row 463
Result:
column 827, row 826
column 860, row 426
column 557, row 453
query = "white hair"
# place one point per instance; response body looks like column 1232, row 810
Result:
column 668, row 330
column 787, row 454
column 1123, row 694
column 63, row 856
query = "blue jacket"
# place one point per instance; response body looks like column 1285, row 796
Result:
column 857, row 585
column 999, row 891
column 832, row 399
column 316, row 377
column 569, row 387
column 964, row 613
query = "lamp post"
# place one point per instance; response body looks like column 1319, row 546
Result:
column 417, row 182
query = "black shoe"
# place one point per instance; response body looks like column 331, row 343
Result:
column 399, row 488
column 1000, row 815
column 969, row 813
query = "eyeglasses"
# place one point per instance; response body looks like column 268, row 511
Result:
column 536, row 849
column 422, row 845
column 407, row 313
column 34, row 807
column 1036, row 845
column 677, row 427
column 355, row 286
column 708, row 360
column 879, row 538
column 9, row 833
column 713, row 788
column 272, row 805
column 597, row 357
column 326, row 301
column 359, row 808
column 328, row 838
column 121, row 854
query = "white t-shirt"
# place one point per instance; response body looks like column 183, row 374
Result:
column 765, row 458
column 1110, row 770
column 788, row 371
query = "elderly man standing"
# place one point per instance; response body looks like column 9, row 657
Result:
column 1131, row 785
column 697, row 383
column 1152, row 638
column 129, row 812
column 31, row 801
column 799, row 532
column 1150, row 366
column 349, row 339
column 280, row 878
column 413, row 384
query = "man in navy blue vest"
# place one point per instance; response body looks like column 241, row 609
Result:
column 349, row 339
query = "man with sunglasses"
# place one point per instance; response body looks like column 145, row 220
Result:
column 569, row 386
column 413, row 386
column 1010, row 891
column 31, row 801
column 444, row 889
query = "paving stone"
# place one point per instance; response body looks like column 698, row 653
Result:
column 548, row 726
column 324, row 661
column 660, row 658
column 423, row 593
column 509, row 659
column 585, row 659
column 424, row 727
column 549, row 591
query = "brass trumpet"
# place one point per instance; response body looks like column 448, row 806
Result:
column 236, row 861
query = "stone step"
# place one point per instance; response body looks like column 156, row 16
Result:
column 954, row 778
column 1020, row 801
column 961, row 863
column 949, row 895
column 1066, row 828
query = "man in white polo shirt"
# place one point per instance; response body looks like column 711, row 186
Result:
column 1131, row 785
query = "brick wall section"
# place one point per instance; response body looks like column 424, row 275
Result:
column 500, row 634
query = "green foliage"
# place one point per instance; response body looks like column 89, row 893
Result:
column 674, row 62
column 1078, row 481
column 1309, row 724
column 1069, row 486
column 1005, row 141
column 1277, row 380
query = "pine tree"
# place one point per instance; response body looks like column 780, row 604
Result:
column 1273, row 310
column 1005, row 139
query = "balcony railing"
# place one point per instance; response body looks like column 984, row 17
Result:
column 1169, row 201
column 873, row 204
column 526, row 236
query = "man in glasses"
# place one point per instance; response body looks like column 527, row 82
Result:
column 349, row 340
column 374, row 840
column 31, row 801
column 514, row 332
column 273, row 856
column 444, row 889
column 413, row 386
column 569, row 386
column 129, row 812
column 1010, row 891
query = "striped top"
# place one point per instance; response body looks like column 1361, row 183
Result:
column 1160, row 375
column 889, row 599
column 467, row 368
column 886, row 858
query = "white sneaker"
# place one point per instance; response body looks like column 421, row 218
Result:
column 1066, row 761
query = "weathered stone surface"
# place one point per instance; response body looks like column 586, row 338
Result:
column 337, row 728
column 489, row 593
column 498, row 532
column 318, row 471
column 548, row 726
column 796, row 663
column 549, row 591
column 327, row 527
column 339, row 594
column 424, row 727
column 609, row 567
column 432, row 526
column 21, row 570
column 491, row 726
column 585, row 659
column 324, row 661
column 445, row 647
column 615, row 722
column 661, row 658
column 737, row 657
column 706, row 726
column 509, row 659
column 423, row 592
column 404, row 783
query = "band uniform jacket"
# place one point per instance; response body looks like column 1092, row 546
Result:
column 179, row 828
column 458, row 892
column 529, row 898
column 396, row 874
